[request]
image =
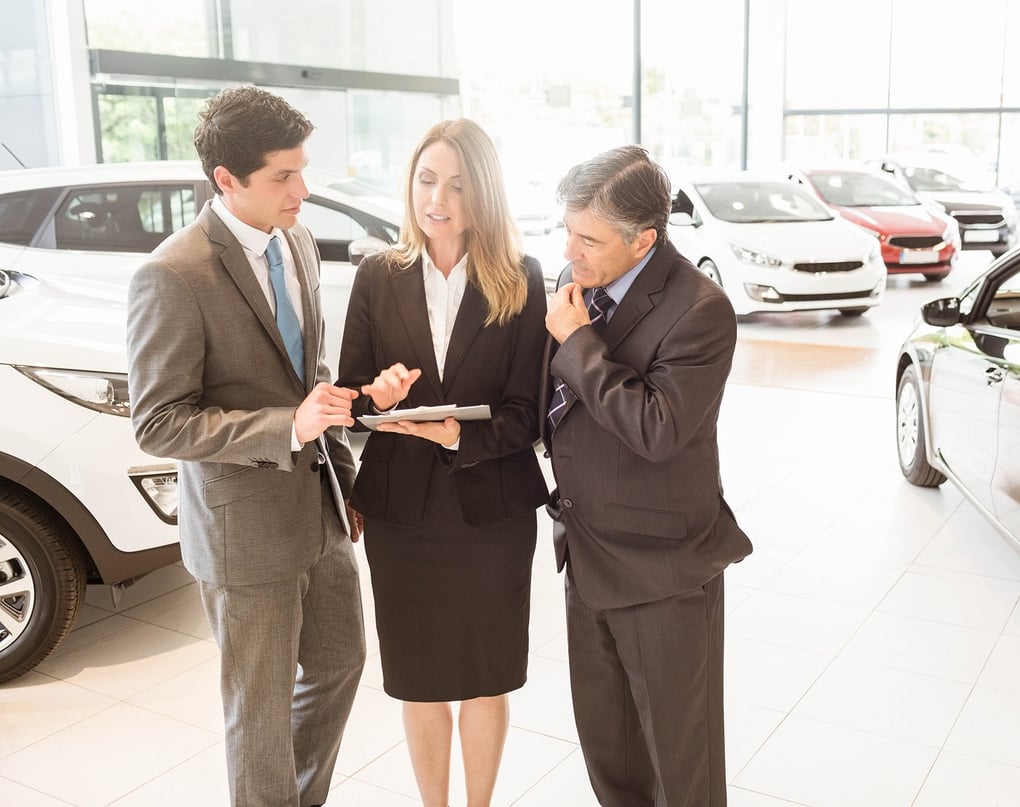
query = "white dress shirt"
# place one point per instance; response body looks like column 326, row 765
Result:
column 443, row 295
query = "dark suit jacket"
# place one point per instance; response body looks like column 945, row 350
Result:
column 640, row 505
column 496, row 470
column 212, row 387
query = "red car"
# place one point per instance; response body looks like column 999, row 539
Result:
column 915, row 237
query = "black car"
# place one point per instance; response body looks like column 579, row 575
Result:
column 958, row 395
column 987, row 217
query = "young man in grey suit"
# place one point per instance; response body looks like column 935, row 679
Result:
column 227, row 375
column 640, row 349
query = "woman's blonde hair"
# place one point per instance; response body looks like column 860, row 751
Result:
column 494, row 246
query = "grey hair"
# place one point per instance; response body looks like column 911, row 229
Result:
column 622, row 187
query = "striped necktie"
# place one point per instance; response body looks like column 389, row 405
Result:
column 598, row 307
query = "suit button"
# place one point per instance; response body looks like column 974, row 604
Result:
column 568, row 503
column 314, row 466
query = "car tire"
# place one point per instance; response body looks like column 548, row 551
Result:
column 711, row 270
column 42, row 584
column 852, row 312
column 936, row 277
column 910, row 440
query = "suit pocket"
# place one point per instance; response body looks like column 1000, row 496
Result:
column 239, row 484
column 645, row 521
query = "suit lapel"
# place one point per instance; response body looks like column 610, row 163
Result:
column 409, row 298
column 639, row 299
column 470, row 317
column 237, row 266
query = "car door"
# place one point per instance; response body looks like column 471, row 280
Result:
column 1004, row 310
column 964, row 405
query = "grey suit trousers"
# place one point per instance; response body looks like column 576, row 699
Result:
column 292, row 653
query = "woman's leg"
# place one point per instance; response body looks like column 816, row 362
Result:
column 483, row 727
column 429, row 731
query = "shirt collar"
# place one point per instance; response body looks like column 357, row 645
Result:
column 619, row 287
column 251, row 238
column 428, row 265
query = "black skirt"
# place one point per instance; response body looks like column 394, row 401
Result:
column 452, row 601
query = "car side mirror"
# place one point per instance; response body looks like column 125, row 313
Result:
column 360, row 247
column 942, row 313
column 681, row 219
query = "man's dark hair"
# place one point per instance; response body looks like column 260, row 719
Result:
column 241, row 125
column 622, row 187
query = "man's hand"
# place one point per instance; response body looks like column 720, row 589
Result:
column 446, row 433
column 567, row 312
column 357, row 522
column 390, row 387
column 325, row 406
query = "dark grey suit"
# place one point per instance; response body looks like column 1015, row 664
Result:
column 212, row 387
column 644, row 532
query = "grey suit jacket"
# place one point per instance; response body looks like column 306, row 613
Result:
column 640, row 511
column 211, row 386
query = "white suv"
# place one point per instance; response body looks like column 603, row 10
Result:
column 79, row 502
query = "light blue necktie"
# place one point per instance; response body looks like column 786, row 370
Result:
column 286, row 318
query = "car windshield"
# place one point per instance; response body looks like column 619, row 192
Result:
column 754, row 202
column 860, row 190
column 932, row 180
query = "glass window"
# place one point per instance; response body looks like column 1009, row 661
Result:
column 836, row 53
column 335, row 226
column 21, row 214
column 180, row 28
column 128, row 125
column 123, row 219
column 821, row 138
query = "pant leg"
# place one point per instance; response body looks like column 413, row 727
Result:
column 608, row 726
column 672, row 652
column 331, row 656
column 257, row 629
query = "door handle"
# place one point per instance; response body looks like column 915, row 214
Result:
column 994, row 375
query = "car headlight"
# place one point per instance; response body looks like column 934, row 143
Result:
column 101, row 392
column 755, row 257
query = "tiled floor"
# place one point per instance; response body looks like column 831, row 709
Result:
column 873, row 637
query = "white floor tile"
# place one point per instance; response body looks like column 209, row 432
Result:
column 768, row 675
column 197, row 781
column 566, row 785
column 798, row 622
column 17, row 795
column 893, row 703
column 106, row 756
column 987, row 727
column 823, row 765
column 957, row 779
column 35, row 706
column 968, row 600
column 747, row 729
column 847, row 582
column 967, row 543
column 739, row 797
column 374, row 727
column 355, row 792
column 543, row 704
column 192, row 697
column 1001, row 671
column 922, row 646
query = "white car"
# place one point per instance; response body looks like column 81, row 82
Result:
column 79, row 501
column 774, row 247
column 101, row 220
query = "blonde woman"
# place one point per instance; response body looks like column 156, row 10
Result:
column 454, row 315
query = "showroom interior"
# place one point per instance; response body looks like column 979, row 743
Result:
column 873, row 636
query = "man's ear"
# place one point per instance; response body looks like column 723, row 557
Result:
column 646, row 240
column 225, row 180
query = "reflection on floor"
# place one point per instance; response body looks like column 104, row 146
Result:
column 873, row 637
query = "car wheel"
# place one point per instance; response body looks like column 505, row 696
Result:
column 709, row 268
column 910, row 443
column 936, row 277
column 852, row 312
column 42, row 585
column 998, row 253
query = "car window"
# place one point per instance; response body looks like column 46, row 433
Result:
column 751, row 202
column 1004, row 309
column 334, row 226
column 21, row 214
column 861, row 190
column 122, row 218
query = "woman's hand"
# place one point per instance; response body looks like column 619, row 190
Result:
column 390, row 387
column 446, row 433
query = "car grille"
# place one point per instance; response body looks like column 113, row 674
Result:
column 832, row 266
column 845, row 295
column 991, row 218
column 916, row 241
